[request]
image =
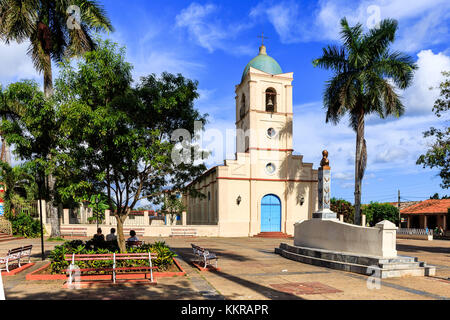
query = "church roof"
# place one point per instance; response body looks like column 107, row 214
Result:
column 264, row 63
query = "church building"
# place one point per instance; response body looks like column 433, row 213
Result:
column 266, row 188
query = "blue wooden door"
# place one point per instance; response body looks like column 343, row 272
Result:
column 270, row 214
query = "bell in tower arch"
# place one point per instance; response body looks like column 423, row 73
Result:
column 270, row 105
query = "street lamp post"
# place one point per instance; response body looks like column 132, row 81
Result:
column 97, row 200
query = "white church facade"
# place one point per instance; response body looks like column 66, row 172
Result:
column 266, row 188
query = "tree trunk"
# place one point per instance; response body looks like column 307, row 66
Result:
column 54, row 214
column 121, row 236
column 358, row 166
column 48, row 91
column 48, row 77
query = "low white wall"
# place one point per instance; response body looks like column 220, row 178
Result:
column 343, row 237
column 150, row 231
column 428, row 237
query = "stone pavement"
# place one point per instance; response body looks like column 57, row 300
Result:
column 250, row 270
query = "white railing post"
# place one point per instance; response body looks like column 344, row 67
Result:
column 107, row 217
column 146, row 221
column 2, row 291
column 66, row 217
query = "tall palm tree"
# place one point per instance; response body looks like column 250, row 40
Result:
column 54, row 28
column 366, row 74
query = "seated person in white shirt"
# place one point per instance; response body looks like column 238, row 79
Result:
column 112, row 236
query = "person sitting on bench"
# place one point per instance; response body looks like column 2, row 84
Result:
column 98, row 237
column 133, row 236
column 112, row 236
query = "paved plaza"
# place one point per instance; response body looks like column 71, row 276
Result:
column 249, row 270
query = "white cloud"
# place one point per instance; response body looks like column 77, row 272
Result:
column 392, row 143
column 419, row 98
column 421, row 22
column 206, row 28
column 344, row 176
column 15, row 63
column 156, row 61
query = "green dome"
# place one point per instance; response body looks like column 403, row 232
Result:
column 264, row 63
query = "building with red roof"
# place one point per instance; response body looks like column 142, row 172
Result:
column 429, row 214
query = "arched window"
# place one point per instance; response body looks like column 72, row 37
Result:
column 271, row 100
column 242, row 109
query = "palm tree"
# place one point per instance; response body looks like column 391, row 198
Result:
column 53, row 29
column 56, row 29
column 365, row 78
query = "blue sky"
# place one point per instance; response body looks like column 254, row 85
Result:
column 212, row 41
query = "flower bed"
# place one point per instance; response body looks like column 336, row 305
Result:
column 56, row 270
column 44, row 273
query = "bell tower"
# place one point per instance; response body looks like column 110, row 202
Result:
column 264, row 109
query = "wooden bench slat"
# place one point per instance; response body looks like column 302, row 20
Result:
column 96, row 269
column 135, row 268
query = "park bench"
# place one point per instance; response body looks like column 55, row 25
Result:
column 134, row 244
column 183, row 232
column 73, row 231
column 114, row 257
column 203, row 255
column 16, row 255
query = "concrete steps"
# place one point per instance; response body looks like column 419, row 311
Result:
column 367, row 265
column 181, row 232
column 7, row 237
column 275, row 235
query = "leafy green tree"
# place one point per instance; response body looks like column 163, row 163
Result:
column 172, row 206
column 437, row 197
column 438, row 155
column 98, row 203
column 365, row 72
column 32, row 125
column 54, row 29
column 17, row 181
column 119, row 137
column 24, row 225
column 341, row 206
column 377, row 212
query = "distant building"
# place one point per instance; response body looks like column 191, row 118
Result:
column 429, row 214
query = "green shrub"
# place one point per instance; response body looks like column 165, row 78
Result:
column 59, row 265
column 341, row 206
column 377, row 212
column 24, row 225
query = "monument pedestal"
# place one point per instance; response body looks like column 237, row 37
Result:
column 325, row 214
column 325, row 241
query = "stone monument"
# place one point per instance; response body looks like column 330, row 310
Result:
column 325, row 241
column 324, row 190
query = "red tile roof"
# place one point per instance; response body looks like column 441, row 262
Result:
column 428, row 206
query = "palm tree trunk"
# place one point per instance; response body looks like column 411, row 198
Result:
column 358, row 166
column 54, row 215
column 48, row 76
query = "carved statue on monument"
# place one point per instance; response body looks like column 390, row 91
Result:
column 325, row 162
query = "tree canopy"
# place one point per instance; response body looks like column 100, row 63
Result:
column 438, row 155
column 118, row 135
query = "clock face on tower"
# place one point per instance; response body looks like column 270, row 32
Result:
column 271, row 132
column 270, row 168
